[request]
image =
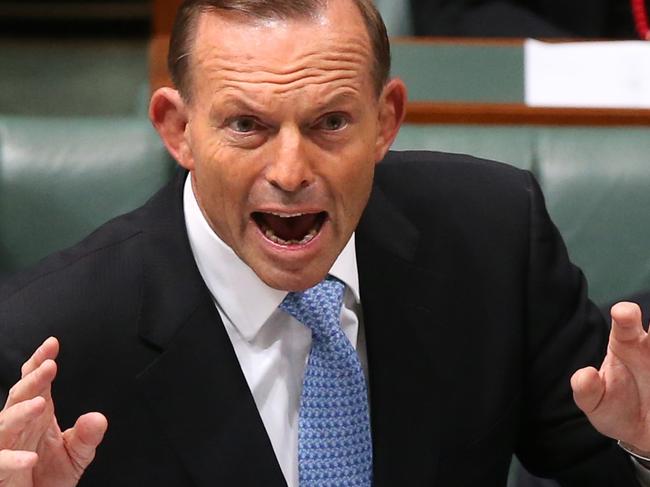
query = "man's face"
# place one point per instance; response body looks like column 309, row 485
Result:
column 282, row 137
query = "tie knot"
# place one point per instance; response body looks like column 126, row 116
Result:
column 318, row 307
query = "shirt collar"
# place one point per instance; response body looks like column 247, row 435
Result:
column 233, row 284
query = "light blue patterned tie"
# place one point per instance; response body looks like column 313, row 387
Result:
column 334, row 444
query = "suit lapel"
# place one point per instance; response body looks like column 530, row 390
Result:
column 404, row 414
column 199, row 395
column 195, row 389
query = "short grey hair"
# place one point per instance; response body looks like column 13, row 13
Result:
column 184, row 29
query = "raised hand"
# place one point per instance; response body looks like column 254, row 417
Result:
column 616, row 398
column 33, row 449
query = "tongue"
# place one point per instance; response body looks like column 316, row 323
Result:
column 293, row 228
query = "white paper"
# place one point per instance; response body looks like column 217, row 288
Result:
column 587, row 74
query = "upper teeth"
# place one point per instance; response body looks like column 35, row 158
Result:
column 286, row 215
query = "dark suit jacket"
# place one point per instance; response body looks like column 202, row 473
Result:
column 474, row 320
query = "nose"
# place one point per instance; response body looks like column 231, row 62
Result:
column 290, row 169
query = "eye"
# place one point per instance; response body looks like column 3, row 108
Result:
column 244, row 125
column 332, row 122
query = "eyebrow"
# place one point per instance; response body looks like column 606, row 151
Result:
column 340, row 97
column 236, row 103
column 239, row 102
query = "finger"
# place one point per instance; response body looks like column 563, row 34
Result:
column 36, row 383
column 588, row 389
column 49, row 349
column 84, row 437
column 14, row 419
column 626, row 322
column 14, row 461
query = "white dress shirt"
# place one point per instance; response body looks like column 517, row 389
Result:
column 272, row 347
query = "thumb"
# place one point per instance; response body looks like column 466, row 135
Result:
column 83, row 438
column 588, row 389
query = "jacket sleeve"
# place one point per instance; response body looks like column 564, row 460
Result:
column 564, row 332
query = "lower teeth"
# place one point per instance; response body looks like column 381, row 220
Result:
column 274, row 238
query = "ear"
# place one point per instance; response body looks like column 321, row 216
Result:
column 392, row 108
column 168, row 114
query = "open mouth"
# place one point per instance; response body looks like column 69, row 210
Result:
column 289, row 229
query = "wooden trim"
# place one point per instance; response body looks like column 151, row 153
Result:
column 517, row 114
column 479, row 41
column 459, row 41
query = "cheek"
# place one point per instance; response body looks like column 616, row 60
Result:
column 214, row 165
column 353, row 185
column 363, row 169
column 223, row 181
column 228, row 177
column 363, row 183
column 212, row 182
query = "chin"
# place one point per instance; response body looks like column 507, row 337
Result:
column 292, row 281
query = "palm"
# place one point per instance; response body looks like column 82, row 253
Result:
column 55, row 467
column 34, row 452
column 44, row 438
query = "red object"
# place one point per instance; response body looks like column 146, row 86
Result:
column 640, row 14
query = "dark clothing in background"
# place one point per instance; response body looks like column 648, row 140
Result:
column 523, row 18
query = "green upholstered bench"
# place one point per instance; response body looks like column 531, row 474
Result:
column 596, row 182
column 62, row 177
column 74, row 78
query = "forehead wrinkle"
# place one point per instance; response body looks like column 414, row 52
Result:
column 329, row 58
column 295, row 69
column 316, row 63
column 349, row 55
column 282, row 83
column 331, row 94
column 245, row 51
column 284, row 86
